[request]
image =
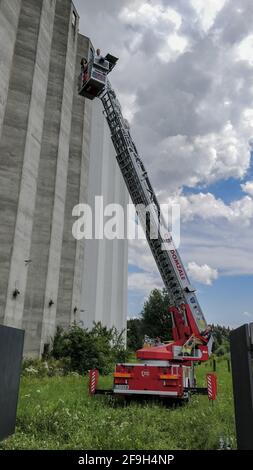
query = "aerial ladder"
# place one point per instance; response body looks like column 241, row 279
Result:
column 165, row 370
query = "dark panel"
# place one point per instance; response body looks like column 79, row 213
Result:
column 242, row 368
column 11, row 351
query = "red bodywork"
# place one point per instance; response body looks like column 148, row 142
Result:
column 181, row 332
column 165, row 370
column 147, row 379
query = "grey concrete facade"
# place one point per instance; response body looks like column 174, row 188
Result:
column 19, row 149
column 104, row 293
column 77, row 188
column 43, row 277
column 9, row 16
column 45, row 130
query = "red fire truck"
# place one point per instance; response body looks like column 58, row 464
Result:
column 164, row 370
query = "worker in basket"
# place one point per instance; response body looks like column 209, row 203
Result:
column 84, row 70
column 147, row 342
column 99, row 57
column 207, row 333
column 193, row 341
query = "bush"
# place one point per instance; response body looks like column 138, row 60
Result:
column 99, row 348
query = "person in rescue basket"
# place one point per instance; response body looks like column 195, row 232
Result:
column 84, row 69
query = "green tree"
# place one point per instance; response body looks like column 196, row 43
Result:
column 221, row 335
column 156, row 320
column 135, row 334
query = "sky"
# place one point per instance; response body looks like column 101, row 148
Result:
column 185, row 82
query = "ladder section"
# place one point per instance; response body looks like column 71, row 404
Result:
column 142, row 194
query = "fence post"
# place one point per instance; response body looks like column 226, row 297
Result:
column 11, row 352
column 242, row 375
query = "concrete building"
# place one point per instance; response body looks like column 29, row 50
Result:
column 44, row 167
column 104, row 295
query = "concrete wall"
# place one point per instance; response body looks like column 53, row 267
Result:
column 44, row 157
column 104, row 296
column 69, row 296
column 43, row 276
column 30, row 165
column 44, row 173
column 9, row 16
column 14, row 138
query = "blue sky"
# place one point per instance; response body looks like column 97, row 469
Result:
column 228, row 301
column 185, row 83
column 228, row 190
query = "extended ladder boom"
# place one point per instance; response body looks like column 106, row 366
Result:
column 187, row 315
column 142, row 194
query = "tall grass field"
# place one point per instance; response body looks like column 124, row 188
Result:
column 57, row 413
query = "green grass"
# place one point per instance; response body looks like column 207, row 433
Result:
column 57, row 413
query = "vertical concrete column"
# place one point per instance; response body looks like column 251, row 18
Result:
column 58, row 216
column 115, row 307
column 9, row 16
column 124, row 263
column 20, row 259
column 104, row 295
column 14, row 134
column 106, row 279
column 104, row 246
column 80, row 245
column 120, row 260
column 121, row 309
column 72, row 259
column 90, row 299
column 42, row 284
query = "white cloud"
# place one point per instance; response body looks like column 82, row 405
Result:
column 144, row 282
column 248, row 314
column 141, row 256
column 128, row 103
column 216, row 235
column 205, row 206
column 147, row 14
column 155, row 24
column 174, row 46
column 207, row 11
column 203, row 274
column 229, row 251
column 248, row 187
column 244, row 49
column 195, row 126
column 201, row 159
